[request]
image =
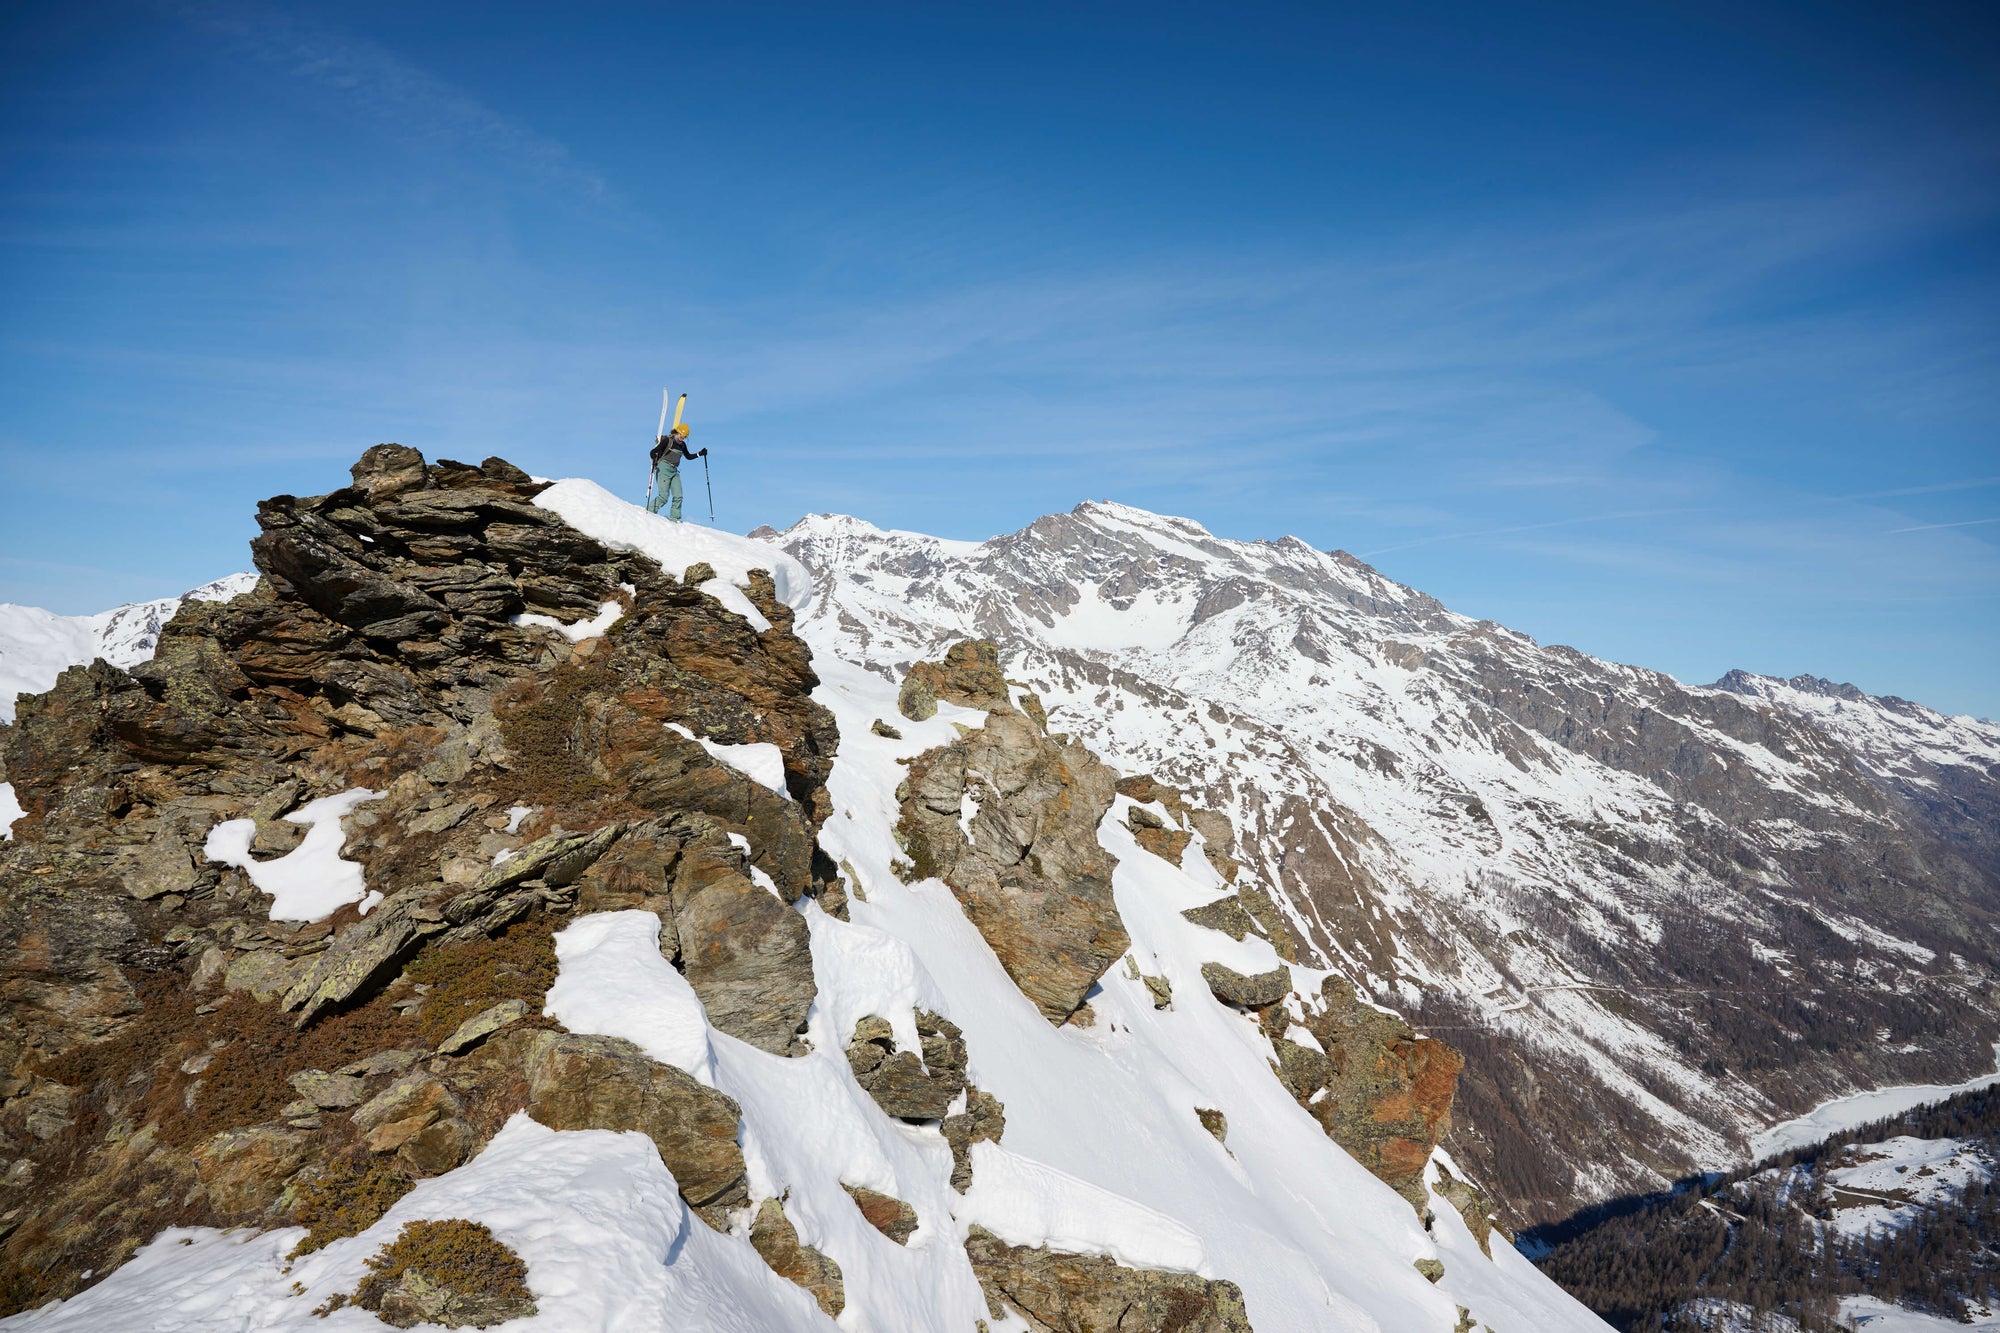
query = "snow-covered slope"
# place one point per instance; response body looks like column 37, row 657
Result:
column 1656, row 916
column 36, row 645
column 1104, row 1152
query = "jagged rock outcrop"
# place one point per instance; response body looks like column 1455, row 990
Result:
column 885, row 1212
column 1376, row 1087
column 969, row 676
column 1007, row 817
column 903, row 1083
column 1057, row 1292
column 1471, row 1203
column 170, row 1053
column 577, row 1082
column 983, row 1120
column 777, row 1241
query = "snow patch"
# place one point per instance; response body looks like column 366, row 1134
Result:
column 613, row 982
column 310, row 882
column 1029, row 1203
column 576, row 631
column 10, row 810
column 623, row 526
column 760, row 761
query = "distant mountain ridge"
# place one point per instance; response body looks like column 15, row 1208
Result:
column 35, row 645
column 1656, row 916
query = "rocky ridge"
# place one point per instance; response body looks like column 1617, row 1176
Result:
column 289, row 910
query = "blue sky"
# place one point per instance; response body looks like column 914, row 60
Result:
column 1672, row 333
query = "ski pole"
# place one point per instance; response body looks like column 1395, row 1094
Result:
column 711, row 487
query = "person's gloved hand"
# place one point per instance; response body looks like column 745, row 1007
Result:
column 702, row 454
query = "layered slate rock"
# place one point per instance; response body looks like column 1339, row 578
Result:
column 1007, row 817
column 171, row 1054
column 1388, row 1092
column 1058, row 1292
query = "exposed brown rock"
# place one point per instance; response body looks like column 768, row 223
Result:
column 885, row 1212
column 1057, row 1293
column 605, row 1083
column 1032, row 877
column 1388, row 1091
column 774, row 1237
column 969, row 676
column 983, row 1120
column 1252, row 992
column 904, row 1084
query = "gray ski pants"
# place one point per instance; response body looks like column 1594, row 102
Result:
column 667, row 490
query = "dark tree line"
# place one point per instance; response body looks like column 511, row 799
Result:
column 1759, row 1236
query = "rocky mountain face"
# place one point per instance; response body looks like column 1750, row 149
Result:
column 37, row 645
column 1654, row 917
column 495, row 892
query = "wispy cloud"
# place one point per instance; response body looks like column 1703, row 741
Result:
column 401, row 98
column 1934, row 527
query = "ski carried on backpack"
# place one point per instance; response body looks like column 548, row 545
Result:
column 666, row 396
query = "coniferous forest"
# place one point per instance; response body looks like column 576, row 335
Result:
column 1762, row 1237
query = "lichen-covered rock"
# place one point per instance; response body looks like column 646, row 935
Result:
column 969, row 676
column 483, row 1025
column 745, row 951
column 1031, row 877
column 1057, row 1293
column 774, row 1238
column 239, row 1167
column 1251, row 992
column 916, row 700
column 903, row 1083
column 577, row 1082
column 1224, row 914
column 1388, row 1091
column 983, row 1120
column 885, row 1212
column 1471, row 1203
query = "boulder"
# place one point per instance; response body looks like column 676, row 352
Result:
column 745, row 951
column 969, row 676
column 1031, row 875
column 1224, row 914
column 1253, row 992
column 242, row 1168
column 903, row 1084
column 579, row 1082
column 885, row 1212
column 483, row 1025
column 1058, row 1292
column 774, row 1237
